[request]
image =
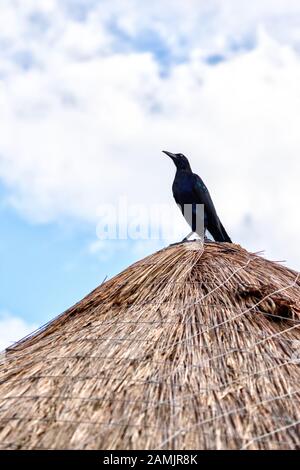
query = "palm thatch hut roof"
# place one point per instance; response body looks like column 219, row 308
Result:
column 192, row 347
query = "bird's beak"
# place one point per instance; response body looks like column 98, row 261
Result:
column 171, row 155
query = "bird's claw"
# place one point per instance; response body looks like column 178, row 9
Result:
column 208, row 240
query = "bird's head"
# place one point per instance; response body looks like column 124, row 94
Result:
column 181, row 162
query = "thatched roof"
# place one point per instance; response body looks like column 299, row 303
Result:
column 188, row 348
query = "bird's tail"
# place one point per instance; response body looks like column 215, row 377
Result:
column 225, row 234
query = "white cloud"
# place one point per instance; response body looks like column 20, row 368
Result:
column 86, row 125
column 12, row 329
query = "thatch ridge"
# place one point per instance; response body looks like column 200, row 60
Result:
column 192, row 347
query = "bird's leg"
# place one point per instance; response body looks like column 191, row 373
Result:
column 182, row 241
column 206, row 239
column 187, row 237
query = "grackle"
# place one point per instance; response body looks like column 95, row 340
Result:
column 189, row 191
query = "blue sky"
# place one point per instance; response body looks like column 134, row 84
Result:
column 92, row 91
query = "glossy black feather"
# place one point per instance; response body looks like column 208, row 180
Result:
column 189, row 189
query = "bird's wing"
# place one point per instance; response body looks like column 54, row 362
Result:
column 212, row 221
column 202, row 196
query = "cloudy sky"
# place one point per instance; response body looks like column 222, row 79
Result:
column 91, row 91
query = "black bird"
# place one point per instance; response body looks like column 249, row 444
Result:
column 189, row 191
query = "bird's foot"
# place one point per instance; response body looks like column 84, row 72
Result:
column 208, row 240
column 185, row 240
column 174, row 244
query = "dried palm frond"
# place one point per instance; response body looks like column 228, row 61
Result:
column 192, row 347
